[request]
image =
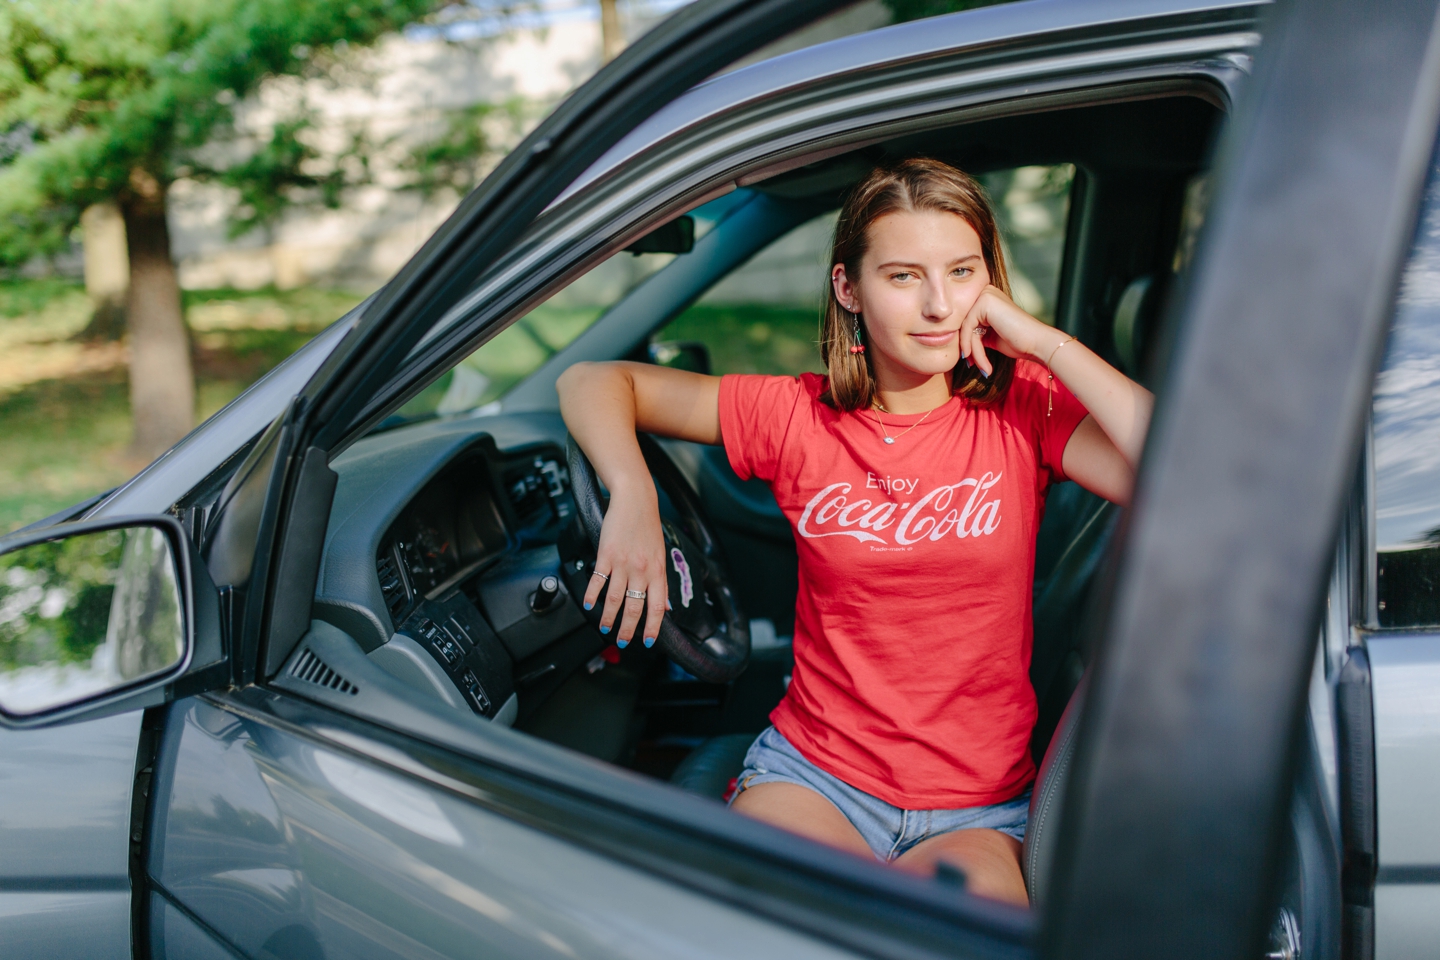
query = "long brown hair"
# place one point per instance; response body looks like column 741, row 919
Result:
column 911, row 185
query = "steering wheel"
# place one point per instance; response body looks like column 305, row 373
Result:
column 704, row 630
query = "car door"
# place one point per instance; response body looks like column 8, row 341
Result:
column 274, row 842
column 65, row 821
column 1209, row 636
column 1399, row 619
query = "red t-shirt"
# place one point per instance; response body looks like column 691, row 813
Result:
column 912, row 624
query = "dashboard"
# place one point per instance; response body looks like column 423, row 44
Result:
column 443, row 561
column 467, row 516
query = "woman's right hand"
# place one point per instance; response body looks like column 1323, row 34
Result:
column 632, row 557
column 603, row 405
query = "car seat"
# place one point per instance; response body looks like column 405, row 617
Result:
column 709, row 769
column 1047, row 798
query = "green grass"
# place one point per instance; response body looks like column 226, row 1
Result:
column 25, row 298
column 64, row 439
column 752, row 338
column 59, row 444
column 529, row 342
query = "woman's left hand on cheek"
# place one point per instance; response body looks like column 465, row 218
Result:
column 996, row 321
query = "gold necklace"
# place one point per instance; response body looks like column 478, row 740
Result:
column 886, row 434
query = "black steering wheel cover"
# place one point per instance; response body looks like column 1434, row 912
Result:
column 722, row 656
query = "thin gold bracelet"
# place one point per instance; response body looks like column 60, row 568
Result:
column 1057, row 350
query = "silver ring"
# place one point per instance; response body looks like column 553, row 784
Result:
column 635, row 594
column 602, row 576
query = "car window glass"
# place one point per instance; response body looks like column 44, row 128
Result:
column 1407, row 438
column 1032, row 205
column 485, row 375
column 489, row 372
column 764, row 317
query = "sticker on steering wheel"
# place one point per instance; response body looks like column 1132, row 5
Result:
column 687, row 585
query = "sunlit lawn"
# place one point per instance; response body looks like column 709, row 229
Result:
column 64, row 405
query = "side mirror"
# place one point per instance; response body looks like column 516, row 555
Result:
column 689, row 355
column 94, row 618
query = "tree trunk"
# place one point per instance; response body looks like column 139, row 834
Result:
column 612, row 39
column 162, row 383
column 107, row 271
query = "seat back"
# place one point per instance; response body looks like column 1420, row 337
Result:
column 1048, row 796
column 1073, row 541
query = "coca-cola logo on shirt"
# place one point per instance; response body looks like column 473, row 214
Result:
column 936, row 514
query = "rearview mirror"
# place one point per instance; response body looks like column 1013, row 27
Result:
column 676, row 236
column 88, row 611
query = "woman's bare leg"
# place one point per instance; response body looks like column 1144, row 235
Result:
column 801, row 810
column 989, row 858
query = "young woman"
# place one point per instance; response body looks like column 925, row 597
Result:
column 914, row 474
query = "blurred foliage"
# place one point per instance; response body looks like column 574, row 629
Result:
column 1032, row 207
column 61, row 443
column 94, row 92
column 55, row 599
column 473, row 140
column 903, row 10
column 741, row 338
column 286, row 168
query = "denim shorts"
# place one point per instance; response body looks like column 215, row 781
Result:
column 889, row 830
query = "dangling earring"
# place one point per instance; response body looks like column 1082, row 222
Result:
column 859, row 347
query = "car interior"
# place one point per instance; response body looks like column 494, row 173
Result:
column 455, row 554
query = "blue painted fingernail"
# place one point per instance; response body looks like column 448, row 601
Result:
column 649, row 641
column 984, row 374
column 588, row 605
column 622, row 644
column 604, row 629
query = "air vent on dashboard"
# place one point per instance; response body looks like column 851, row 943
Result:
column 312, row 669
column 392, row 585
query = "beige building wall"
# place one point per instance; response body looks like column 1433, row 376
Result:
column 400, row 95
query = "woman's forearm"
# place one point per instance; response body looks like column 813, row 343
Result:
column 597, row 401
column 1119, row 405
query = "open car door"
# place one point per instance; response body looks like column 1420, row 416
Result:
column 1191, row 736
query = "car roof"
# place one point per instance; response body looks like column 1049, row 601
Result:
column 914, row 40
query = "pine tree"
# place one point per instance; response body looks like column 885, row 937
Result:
column 114, row 100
